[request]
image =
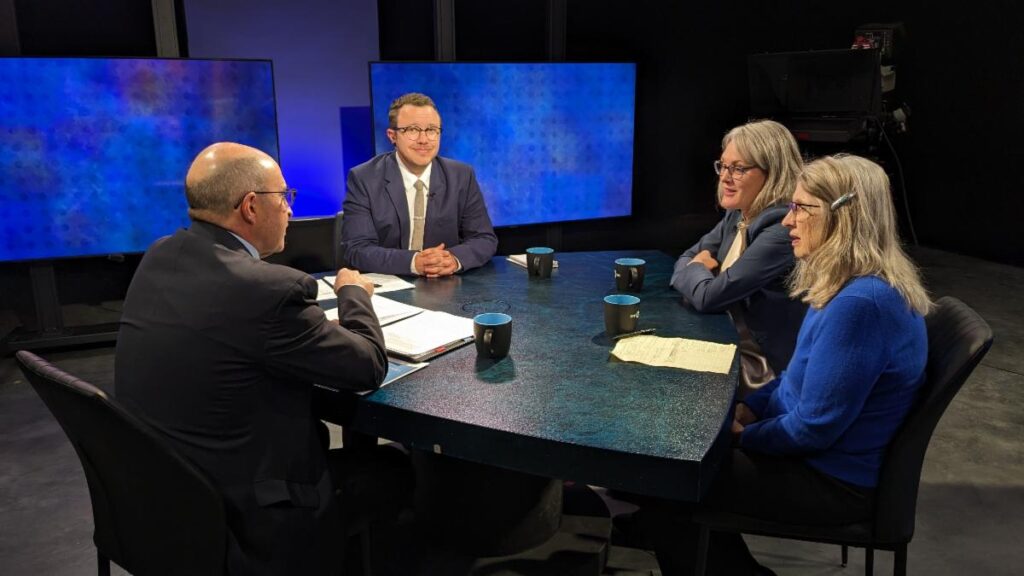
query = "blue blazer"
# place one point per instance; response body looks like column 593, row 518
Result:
column 376, row 226
column 756, row 281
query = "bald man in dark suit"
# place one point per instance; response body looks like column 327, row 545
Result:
column 219, row 350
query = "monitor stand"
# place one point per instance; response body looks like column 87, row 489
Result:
column 50, row 329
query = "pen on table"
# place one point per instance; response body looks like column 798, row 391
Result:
column 637, row 333
column 375, row 285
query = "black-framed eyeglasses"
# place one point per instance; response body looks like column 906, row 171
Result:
column 288, row 195
column 737, row 171
column 794, row 206
column 413, row 132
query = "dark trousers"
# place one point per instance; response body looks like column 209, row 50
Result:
column 775, row 488
column 374, row 485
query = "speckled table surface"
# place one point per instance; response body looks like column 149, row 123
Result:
column 557, row 406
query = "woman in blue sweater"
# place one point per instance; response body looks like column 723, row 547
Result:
column 809, row 444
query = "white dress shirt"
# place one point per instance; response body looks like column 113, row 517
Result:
column 409, row 182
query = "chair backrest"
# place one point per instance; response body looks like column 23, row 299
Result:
column 309, row 245
column 154, row 511
column 339, row 250
column 958, row 339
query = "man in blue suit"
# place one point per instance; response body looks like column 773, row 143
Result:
column 411, row 211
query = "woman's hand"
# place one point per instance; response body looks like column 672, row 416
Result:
column 737, row 429
column 744, row 415
column 705, row 258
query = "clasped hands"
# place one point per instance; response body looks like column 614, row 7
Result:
column 434, row 262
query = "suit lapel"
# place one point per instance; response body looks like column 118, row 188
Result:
column 396, row 191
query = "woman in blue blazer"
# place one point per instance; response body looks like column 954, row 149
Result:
column 745, row 276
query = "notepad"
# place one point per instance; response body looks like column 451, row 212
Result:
column 683, row 353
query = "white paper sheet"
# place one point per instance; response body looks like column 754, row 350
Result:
column 382, row 283
column 682, row 353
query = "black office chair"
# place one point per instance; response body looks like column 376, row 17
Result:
column 958, row 339
column 154, row 511
column 339, row 249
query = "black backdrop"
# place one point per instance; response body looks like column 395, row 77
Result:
column 959, row 70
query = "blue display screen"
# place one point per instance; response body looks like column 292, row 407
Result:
column 94, row 151
column 550, row 142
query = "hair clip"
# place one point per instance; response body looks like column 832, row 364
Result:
column 845, row 198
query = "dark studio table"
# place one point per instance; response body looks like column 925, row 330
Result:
column 557, row 407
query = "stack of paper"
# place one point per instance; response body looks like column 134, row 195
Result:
column 325, row 291
column 388, row 311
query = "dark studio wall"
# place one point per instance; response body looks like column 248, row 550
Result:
column 964, row 153
column 958, row 69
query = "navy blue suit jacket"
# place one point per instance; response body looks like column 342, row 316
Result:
column 376, row 226
column 756, row 281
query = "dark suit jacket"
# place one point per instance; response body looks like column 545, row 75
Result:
column 219, row 351
column 756, row 281
column 376, row 227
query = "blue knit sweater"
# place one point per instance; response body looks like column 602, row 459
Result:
column 852, row 379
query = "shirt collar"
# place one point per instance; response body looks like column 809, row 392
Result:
column 409, row 179
column 248, row 247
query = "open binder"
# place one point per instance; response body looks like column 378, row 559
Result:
column 427, row 334
column 413, row 333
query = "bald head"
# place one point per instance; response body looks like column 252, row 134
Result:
column 221, row 175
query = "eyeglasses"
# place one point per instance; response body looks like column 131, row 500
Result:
column 413, row 132
column 793, row 206
column 736, row 171
column 288, row 195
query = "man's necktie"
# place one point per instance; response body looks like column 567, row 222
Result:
column 419, row 210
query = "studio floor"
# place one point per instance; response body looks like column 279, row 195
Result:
column 970, row 512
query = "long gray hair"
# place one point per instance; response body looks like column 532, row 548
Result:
column 859, row 236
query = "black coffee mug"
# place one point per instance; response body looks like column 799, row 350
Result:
column 493, row 333
column 539, row 261
column 629, row 274
column 621, row 313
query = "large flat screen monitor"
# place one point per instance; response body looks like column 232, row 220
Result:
column 550, row 142
column 822, row 83
column 94, row 151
